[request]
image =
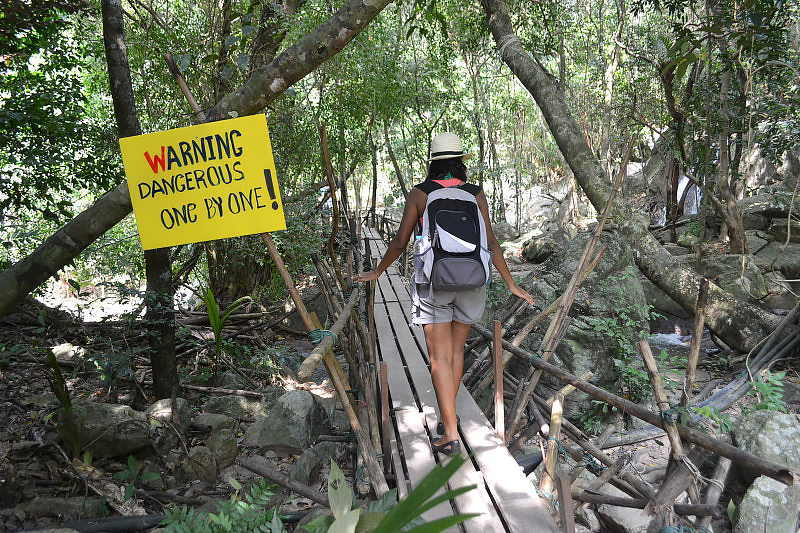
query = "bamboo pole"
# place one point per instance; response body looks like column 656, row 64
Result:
column 326, row 159
column 667, row 493
column 640, row 503
column 761, row 466
column 310, row 363
column 600, row 480
column 661, row 397
column 629, row 483
column 715, row 489
column 568, row 389
column 694, row 350
column 499, row 410
column 546, row 484
column 532, row 323
column 551, row 337
column 288, row 281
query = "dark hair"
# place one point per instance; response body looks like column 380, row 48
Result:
column 441, row 167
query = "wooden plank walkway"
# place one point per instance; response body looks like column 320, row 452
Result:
column 506, row 501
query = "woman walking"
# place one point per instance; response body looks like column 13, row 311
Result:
column 446, row 314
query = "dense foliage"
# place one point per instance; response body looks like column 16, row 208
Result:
column 647, row 70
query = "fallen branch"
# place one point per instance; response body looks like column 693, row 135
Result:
column 640, row 503
column 111, row 524
column 273, row 475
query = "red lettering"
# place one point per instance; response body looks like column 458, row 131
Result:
column 156, row 161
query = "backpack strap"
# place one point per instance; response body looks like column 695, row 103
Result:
column 429, row 186
column 471, row 188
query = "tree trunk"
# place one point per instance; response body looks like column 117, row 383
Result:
column 264, row 85
column 159, row 316
column 739, row 324
column 396, row 166
column 374, row 196
column 733, row 220
column 302, row 57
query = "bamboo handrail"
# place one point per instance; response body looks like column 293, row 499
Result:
column 768, row 468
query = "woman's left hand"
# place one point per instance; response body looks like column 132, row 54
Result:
column 366, row 276
column 516, row 290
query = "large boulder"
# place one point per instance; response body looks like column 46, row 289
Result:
column 290, row 426
column 539, row 248
column 608, row 313
column 769, row 505
column 223, row 445
column 200, row 464
column 239, row 407
column 504, row 231
column 108, row 430
column 165, row 435
column 784, row 258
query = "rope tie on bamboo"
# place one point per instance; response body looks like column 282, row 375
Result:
column 695, row 472
column 562, row 453
column 549, row 496
column 594, row 466
column 361, row 472
column 671, row 415
column 504, row 41
column 316, row 336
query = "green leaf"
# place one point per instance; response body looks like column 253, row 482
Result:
column 369, row 521
column 150, row 476
column 731, row 510
column 443, row 523
column 340, row 495
column 345, row 523
column 319, row 524
column 384, row 503
column 415, row 502
column 132, row 465
column 233, row 483
column 128, row 492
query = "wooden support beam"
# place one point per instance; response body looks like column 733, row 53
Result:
column 565, row 507
column 499, row 410
column 386, row 423
column 665, row 497
column 640, row 503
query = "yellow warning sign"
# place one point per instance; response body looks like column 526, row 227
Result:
column 204, row 182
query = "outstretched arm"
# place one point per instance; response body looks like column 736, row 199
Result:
column 498, row 260
column 415, row 205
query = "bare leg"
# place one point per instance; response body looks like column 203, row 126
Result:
column 460, row 332
column 446, row 369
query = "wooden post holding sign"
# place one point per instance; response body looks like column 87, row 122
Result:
column 204, row 182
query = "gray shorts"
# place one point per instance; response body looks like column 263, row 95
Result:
column 447, row 306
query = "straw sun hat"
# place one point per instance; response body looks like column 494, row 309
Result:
column 447, row 145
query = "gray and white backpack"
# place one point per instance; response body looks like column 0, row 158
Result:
column 452, row 252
